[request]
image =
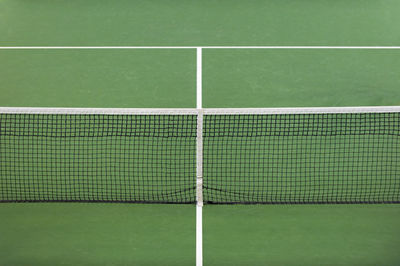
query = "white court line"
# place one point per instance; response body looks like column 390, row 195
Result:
column 199, row 235
column 196, row 47
column 199, row 159
column 199, row 78
column 91, row 47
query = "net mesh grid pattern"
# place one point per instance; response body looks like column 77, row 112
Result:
column 98, row 158
column 302, row 158
column 247, row 158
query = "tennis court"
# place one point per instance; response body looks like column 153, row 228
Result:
column 105, row 71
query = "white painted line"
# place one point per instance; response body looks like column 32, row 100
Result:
column 90, row 47
column 301, row 47
column 199, row 158
column 199, row 78
column 196, row 47
column 199, row 235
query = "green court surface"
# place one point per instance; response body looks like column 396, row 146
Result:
column 98, row 78
column 226, row 22
column 96, row 234
column 300, row 78
column 153, row 234
column 129, row 234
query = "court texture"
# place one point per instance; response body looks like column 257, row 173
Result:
column 144, row 54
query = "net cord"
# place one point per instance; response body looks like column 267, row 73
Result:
column 193, row 111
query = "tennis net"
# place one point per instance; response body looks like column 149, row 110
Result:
column 57, row 156
column 248, row 156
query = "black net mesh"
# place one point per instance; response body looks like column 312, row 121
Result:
column 99, row 158
column 277, row 158
column 302, row 158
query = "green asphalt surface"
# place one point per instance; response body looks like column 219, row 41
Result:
column 138, row 234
